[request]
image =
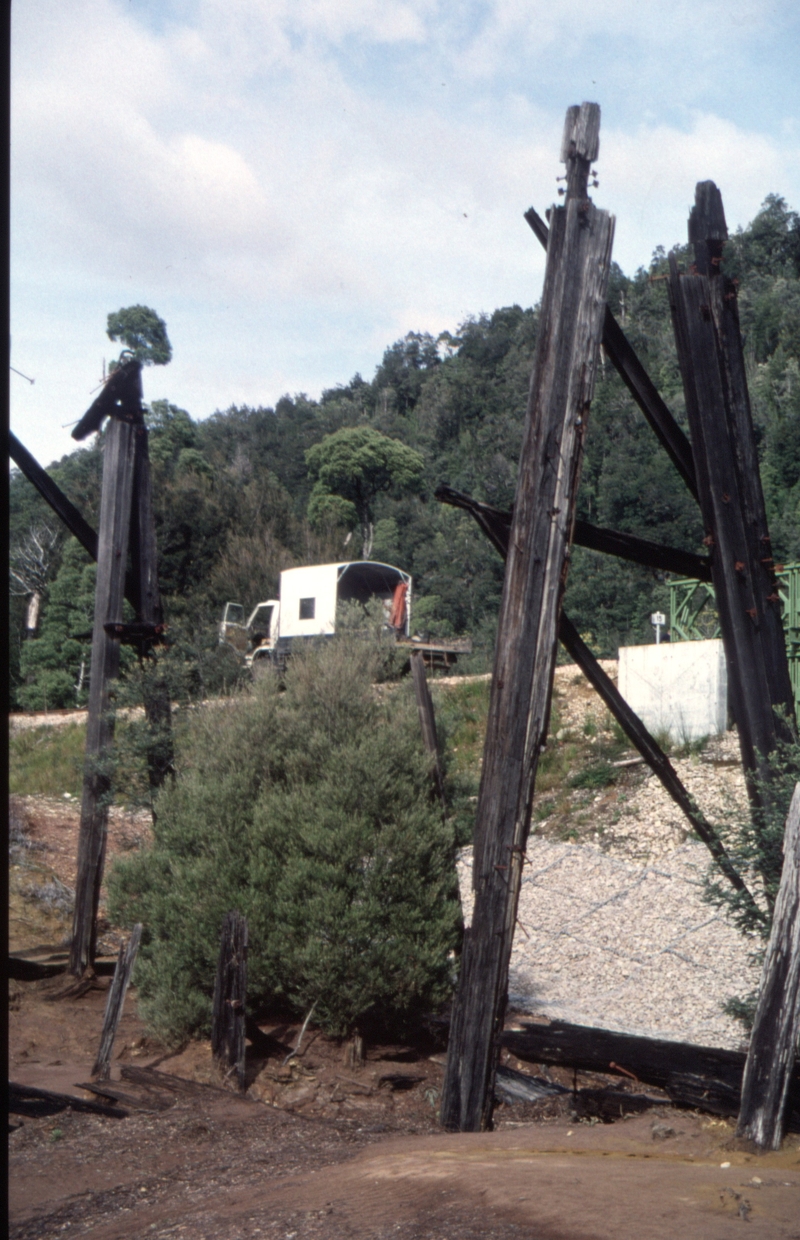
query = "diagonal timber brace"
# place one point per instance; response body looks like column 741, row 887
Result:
column 611, row 542
column 496, row 525
column 641, row 387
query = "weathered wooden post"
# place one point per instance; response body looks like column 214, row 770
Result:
column 144, row 558
column 112, row 555
column 230, row 994
column 570, row 329
column 708, row 340
column 776, row 1029
column 115, row 1003
column 141, row 585
column 427, row 719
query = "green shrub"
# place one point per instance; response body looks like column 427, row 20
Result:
column 754, row 840
column 310, row 811
column 598, row 775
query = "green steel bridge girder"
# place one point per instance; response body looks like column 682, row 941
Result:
column 693, row 616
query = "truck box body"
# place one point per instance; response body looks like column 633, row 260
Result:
column 309, row 597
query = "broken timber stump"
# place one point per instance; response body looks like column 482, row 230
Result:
column 776, row 1029
column 427, row 719
column 115, row 1003
column 708, row 340
column 230, row 993
column 570, row 328
column 112, row 554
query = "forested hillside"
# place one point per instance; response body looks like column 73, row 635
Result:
column 232, row 492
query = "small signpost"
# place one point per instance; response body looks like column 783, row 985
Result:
column 658, row 620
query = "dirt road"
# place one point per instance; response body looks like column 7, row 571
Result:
column 232, row 1168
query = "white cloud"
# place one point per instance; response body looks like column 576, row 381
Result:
column 293, row 185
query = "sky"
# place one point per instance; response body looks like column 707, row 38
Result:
column 293, row 185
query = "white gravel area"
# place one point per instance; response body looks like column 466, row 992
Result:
column 612, row 942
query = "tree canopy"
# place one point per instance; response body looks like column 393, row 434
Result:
column 283, row 483
column 354, row 465
column 142, row 332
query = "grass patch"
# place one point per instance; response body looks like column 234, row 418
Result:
column 47, row 762
column 597, row 775
column 462, row 711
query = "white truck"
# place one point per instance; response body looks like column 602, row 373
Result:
column 308, row 608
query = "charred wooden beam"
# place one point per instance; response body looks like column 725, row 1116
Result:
column 51, row 492
column 776, row 1029
column 623, row 357
column 141, row 588
column 567, row 351
column 230, row 995
column 496, row 524
column 53, row 495
column 709, row 1078
column 708, row 340
column 115, row 512
column 653, row 755
column 118, row 399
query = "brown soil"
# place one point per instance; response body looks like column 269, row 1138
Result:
column 48, row 851
column 318, row 1147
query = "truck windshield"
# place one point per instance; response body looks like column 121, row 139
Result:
column 261, row 619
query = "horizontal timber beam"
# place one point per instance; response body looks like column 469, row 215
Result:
column 709, row 1078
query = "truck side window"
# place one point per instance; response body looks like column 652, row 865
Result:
column 307, row 608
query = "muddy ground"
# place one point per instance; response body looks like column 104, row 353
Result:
column 319, row 1147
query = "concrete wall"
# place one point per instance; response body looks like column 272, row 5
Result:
column 680, row 688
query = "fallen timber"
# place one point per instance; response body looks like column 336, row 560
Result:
column 37, row 1103
column 497, row 525
column 703, row 1077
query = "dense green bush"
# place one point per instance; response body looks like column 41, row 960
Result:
column 310, row 811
